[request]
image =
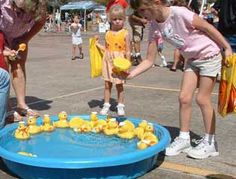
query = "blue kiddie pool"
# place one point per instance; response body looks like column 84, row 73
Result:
column 66, row 154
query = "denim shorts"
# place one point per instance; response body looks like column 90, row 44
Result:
column 206, row 67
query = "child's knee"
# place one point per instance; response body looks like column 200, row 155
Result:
column 185, row 99
column 202, row 100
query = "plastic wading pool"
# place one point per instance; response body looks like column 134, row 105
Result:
column 66, row 154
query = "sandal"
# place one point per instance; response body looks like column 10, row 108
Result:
column 13, row 116
column 81, row 56
column 27, row 112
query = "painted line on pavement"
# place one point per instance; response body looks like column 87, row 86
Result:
column 67, row 95
column 191, row 170
column 155, row 88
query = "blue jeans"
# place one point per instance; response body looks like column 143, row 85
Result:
column 232, row 41
column 4, row 94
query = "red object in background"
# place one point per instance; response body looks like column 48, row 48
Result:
column 123, row 3
column 2, row 60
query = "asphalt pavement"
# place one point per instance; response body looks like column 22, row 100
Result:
column 56, row 83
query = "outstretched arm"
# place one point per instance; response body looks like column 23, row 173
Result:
column 147, row 63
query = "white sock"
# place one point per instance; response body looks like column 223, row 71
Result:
column 210, row 138
column 184, row 135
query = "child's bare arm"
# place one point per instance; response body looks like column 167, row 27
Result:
column 100, row 46
column 213, row 33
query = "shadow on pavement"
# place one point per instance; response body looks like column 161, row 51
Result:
column 40, row 104
column 219, row 176
column 4, row 168
column 94, row 103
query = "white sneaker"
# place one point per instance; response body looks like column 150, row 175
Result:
column 163, row 60
column 105, row 109
column 121, row 109
column 177, row 146
column 204, row 150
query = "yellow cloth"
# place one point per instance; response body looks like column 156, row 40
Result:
column 96, row 56
column 227, row 90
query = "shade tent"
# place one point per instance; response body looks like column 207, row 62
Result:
column 81, row 5
column 84, row 5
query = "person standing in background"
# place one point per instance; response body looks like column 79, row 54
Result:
column 137, row 23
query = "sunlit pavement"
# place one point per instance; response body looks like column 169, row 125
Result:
column 56, row 83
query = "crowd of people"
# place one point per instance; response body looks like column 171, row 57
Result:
column 197, row 42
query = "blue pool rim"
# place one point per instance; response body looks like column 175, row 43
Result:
column 76, row 163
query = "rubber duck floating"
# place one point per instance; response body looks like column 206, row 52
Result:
column 148, row 139
column 139, row 131
column 76, row 123
column 22, row 132
column 94, row 119
column 27, row 154
column 33, row 128
column 47, row 126
column 112, row 127
column 62, row 120
column 126, row 130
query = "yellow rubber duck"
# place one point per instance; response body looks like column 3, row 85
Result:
column 76, row 122
column 22, row 132
column 33, row 128
column 149, row 128
column 139, row 131
column 94, row 119
column 86, row 127
column 126, row 130
column 27, row 154
column 148, row 139
column 47, row 126
column 101, row 125
column 112, row 127
column 62, row 120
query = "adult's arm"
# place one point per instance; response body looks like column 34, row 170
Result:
column 34, row 30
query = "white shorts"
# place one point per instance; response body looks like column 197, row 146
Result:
column 206, row 67
column 77, row 40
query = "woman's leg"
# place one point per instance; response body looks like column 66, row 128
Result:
column 19, row 79
column 203, row 99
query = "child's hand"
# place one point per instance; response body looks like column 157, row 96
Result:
column 228, row 53
column 96, row 38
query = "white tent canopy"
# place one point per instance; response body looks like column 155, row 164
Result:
column 81, row 5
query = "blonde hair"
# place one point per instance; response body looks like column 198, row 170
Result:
column 135, row 4
column 116, row 11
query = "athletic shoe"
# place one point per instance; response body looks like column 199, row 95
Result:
column 177, row 146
